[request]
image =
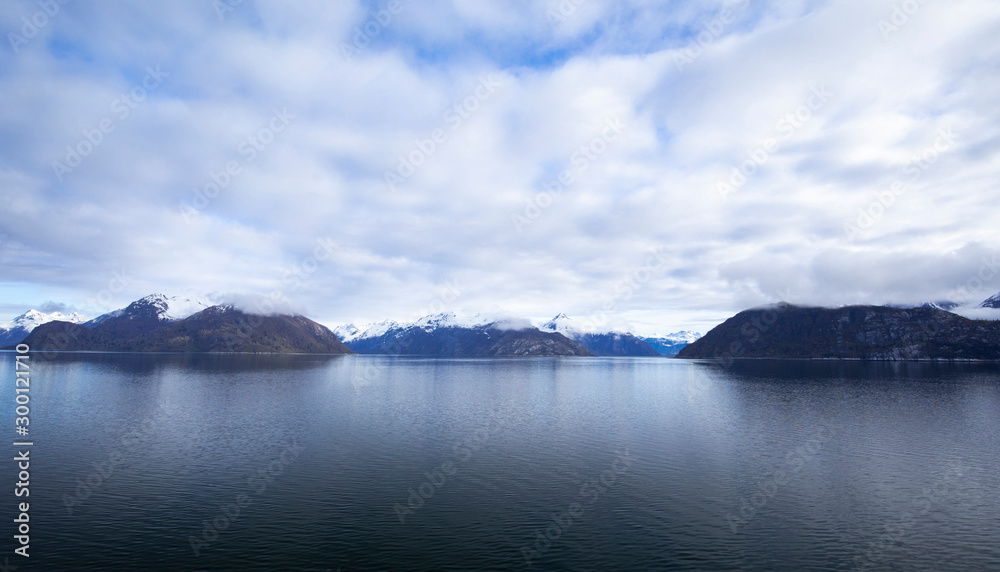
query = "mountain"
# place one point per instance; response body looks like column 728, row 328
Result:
column 939, row 305
column 945, row 305
column 150, row 325
column 154, row 311
column 600, row 343
column 448, row 336
column 19, row 328
column 670, row 344
column 850, row 332
column 992, row 302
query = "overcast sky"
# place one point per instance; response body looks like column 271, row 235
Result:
column 370, row 160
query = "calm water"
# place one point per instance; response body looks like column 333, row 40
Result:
column 140, row 461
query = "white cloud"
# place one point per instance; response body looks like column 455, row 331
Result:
column 323, row 178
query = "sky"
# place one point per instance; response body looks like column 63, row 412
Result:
column 661, row 165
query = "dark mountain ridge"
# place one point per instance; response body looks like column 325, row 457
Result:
column 140, row 328
column 468, row 341
column 851, row 332
column 600, row 343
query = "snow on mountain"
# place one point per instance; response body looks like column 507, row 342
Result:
column 33, row 318
column 166, row 308
column 671, row 344
column 104, row 317
column 180, row 307
column 605, row 341
column 617, row 341
column 19, row 328
column 571, row 328
column 442, row 320
column 992, row 302
column 350, row 332
column 686, row 336
column 499, row 319
column 346, row 332
column 561, row 323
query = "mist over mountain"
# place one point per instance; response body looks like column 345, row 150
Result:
column 671, row 344
column 153, row 309
column 188, row 324
column 608, row 343
column 157, row 323
column 446, row 335
column 992, row 302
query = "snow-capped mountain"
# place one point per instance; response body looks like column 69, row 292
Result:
column 449, row 335
column 33, row 318
column 351, row 332
column 151, row 325
column 671, row 344
column 561, row 323
column 155, row 306
column 17, row 329
column 945, row 305
column 431, row 322
column 992, row 302
column 607, row 343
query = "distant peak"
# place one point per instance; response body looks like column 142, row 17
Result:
column 162, row 307
column 34, row 318
column 992, row 302
column 153, row 298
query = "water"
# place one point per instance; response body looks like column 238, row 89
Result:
column 626, row 463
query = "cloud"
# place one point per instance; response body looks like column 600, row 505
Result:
column 50, row 307
column 195, row 190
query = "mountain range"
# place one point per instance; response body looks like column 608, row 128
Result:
column 446, row 335
column 178, row 324
column 19, row 328
column 157, row 323
column 614, row 343
column 850, row 332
